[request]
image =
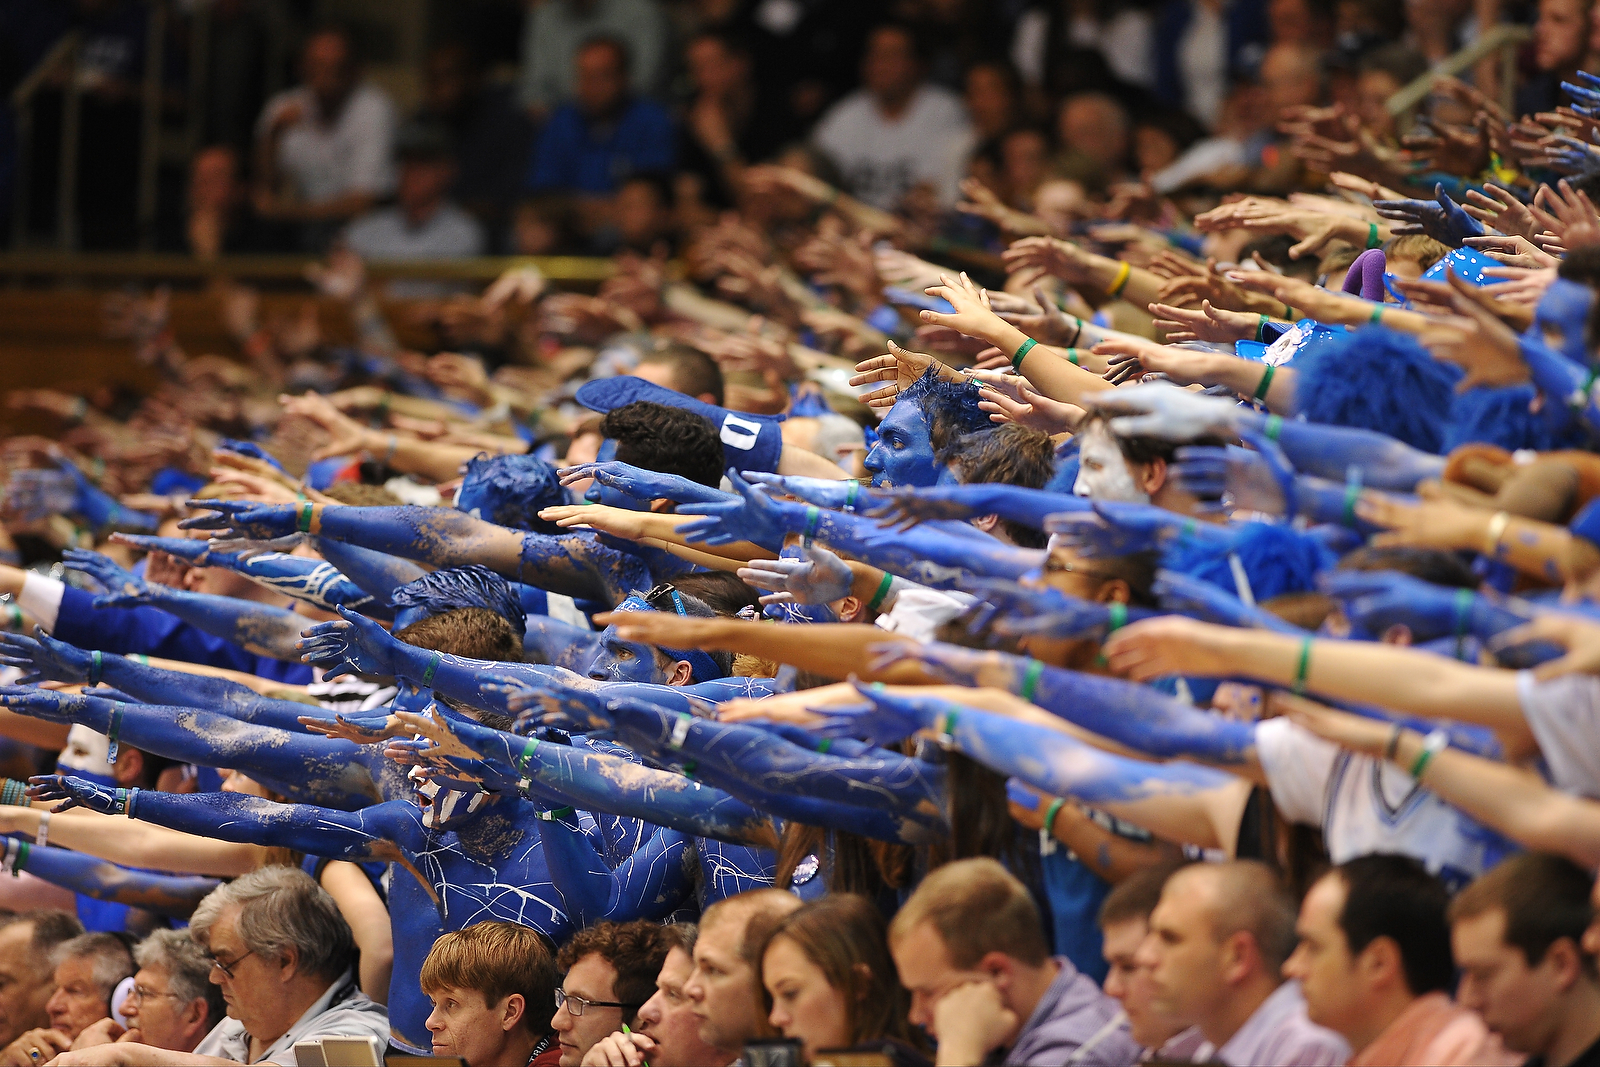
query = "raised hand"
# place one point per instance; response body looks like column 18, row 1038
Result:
column 1500, row 209
column 42, row 657
column 563, row 707
column 819, row 578
column 1441, row 218
column 755, row 517
column 1376, row 600
column 77, row 793
column 1205, row 324
column 1039, row 610
column 33, row 494
column 948, row 663
column 899, row 368
column 123, row 588
column 357, row 645
column 641, row 484
column 357, row 729
column 1235, row 478
column 239, row 519
column 905, row 507
column 1165, row 411
column 195, row 552
column 46, row 704
column 1117, row 528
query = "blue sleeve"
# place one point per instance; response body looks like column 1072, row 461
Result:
column 165, row 894
column 154, row 632
column 655, row 147
column 554, row 154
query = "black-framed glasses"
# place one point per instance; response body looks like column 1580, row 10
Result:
column 577, row 1005
column 665, row 596
column 227, row 968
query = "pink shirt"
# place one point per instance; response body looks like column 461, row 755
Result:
column 1434, row 1031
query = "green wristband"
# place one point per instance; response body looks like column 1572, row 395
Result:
column 1022, row 352
column 305, row 517
column 95, row 666
column 1030, row 680
column 1266, row 382
column 433, row 667
column 1051, row 812
column 521, row 762
column 1372, row 235
column 1274, row 427
column 555, row 813
column 1352, row 493
column 850, row 497
column 1303, row 668
column 1261, row 329
column 883, row 591
column 1116, row 616
column 1377, row 316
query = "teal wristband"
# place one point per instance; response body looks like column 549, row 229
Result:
column 1116, row 616
column 850, row 497
column 427, row 675
column 96, row 664
column 813, row 518
column 1274, row 427
column 1266, row 382
column 1051, row 812
column 1030, row 680
column 1352, row 493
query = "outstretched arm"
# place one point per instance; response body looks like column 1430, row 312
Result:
column 260, row 628
column 650, row 884
column 44, row 657
column 377, row 573
column 1014, row 502
column 314, row 581
column 165, row 894
column 834, row 650
column 889, row 796
column 294, row 764
column 340, row 835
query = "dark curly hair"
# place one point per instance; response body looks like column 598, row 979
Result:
column 636, row 950
column 667, row 440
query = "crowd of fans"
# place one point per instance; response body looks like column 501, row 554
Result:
column 1122, row 593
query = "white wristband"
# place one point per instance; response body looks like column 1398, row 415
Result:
column 41, row 837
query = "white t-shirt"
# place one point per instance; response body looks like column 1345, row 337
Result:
column 385, row 234
column 881, row 160
column 918, row 611
column 1564, row 715
column 355, row 153
column 1365, row 805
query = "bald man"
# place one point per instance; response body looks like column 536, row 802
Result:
column 1217, row 944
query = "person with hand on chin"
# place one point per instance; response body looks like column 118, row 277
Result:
column 668, row 1034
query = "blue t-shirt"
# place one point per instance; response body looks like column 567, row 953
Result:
column 575, row 154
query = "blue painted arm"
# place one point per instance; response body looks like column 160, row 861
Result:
column 849, row 494
column 576, row 564
column 297, row 765
column 642, row 484
column 884, row 795
column 1330, row 451
column 1202, row 600
column 315, row 581
column 649, row 884
column 906, row 507
column 1057, row 764
column 1125, row 712
column 931, row 556
column 1440, row 218
column 1115, row 528
column 100, row 510
column 339, row 835
column 1563, row 384
column 165, row 894
column 1376, row 600
column 44, row 657
column 597, row 781
column 560, row 644
column 1016, row 609
column 260, row 628
column 377, row 573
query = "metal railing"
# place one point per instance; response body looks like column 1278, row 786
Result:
column 63, row 55
column 150, row 266
column 1505, row 39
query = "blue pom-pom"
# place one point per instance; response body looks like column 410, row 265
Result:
column 1276, row 559
column 1499, row 417
column 1378, row 379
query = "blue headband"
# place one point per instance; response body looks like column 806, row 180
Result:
column 702, row 667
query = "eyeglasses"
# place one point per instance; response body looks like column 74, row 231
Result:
column 140, row 994
column 227, row 968
column 664, row 595
column 577, row 1005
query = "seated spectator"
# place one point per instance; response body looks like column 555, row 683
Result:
column 221, row 218
column 285, row 960
column 610, row 971
column 724, row 987
column 88, row 971
column 1216, row 948
column 1097, row 136
column 28, row 944
column 969, row 945
column 686, row 370
column 492, row 985
column 668, row 1034
column 642, row 219
column 174, row 1003
column 1124, row 921
column 896, row 131
column 554, row 34
column 1518, row 934
column 727, row 124
column 424, row 223
column 489, row 133
column 601, row 136
column 324, row 148
column 828, row 977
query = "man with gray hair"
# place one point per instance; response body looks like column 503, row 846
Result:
column 28, row 943
column 284, row 958
column 173, row 1004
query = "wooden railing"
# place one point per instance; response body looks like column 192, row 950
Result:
column 175, row 267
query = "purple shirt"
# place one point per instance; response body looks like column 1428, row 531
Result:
column 1073, row 1012
column 1279, row 1035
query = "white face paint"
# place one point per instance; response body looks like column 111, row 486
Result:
column 85, row 756
column 439, row 805
column 1103, row 472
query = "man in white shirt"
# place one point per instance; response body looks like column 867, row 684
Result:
column 324, row 148
column 895, row 132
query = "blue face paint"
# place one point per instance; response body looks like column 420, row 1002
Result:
column 903, row 455
column 608, row 495
column 624, row 661
column 1561, row 316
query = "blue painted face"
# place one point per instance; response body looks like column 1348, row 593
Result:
column 605, row 494
column 624, row 661
column 1560, row 318
column 903, row 455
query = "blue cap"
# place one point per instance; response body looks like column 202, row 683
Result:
column 749, row 442
column 1469, row 265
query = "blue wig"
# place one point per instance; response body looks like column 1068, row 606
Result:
column 1378, row 379
column 518, row 487
column 473, row 586
column 1501, row 416
column 1276, row 559
column 951, row 407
